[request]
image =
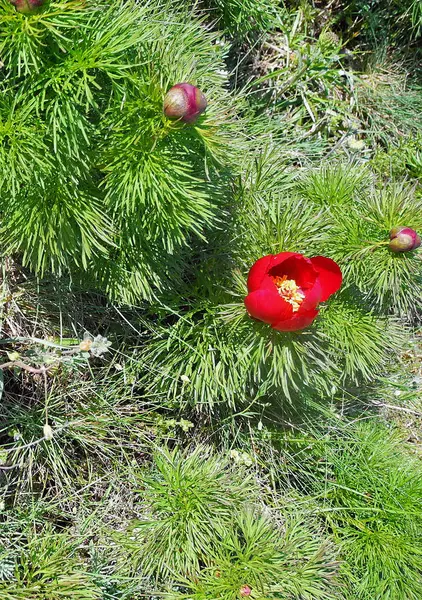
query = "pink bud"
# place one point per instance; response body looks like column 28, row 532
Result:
column 28, row 7
column 404, row 239
column 245, row 590
column 185, row 102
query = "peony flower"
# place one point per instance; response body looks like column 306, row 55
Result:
column 28, row 7
column 404, row 239
column 184, row 101
column 245, row 591
column 285, row 289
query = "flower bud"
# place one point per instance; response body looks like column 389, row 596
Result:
column 404, row 239
column 185, row 102
column 85, row 345
column 28, row 7
column 48, row 432
column 328, row 40
column 245, row 591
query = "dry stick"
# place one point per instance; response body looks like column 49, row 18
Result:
column 401, row 408
column 21, row 365
column 34, row 370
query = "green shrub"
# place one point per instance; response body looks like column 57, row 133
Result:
column 287, row 560
column 188, row 496
column 204, row 536
column 48, row 567
column 95, row 181
column 368, row 490
column 206, row 351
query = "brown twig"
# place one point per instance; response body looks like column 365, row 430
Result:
column 21, row 365
column 400, row 408
column 40, row 370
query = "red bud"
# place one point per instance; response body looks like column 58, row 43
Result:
column 404, row 239
column 185, row 102
column 28, row 7
column 245, row 591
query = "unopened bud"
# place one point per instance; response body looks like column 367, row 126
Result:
column 185, row 102
column 28, row 7
column 245, row 591
column 48, row 432
column 404, row 239
column 328, row 40
column 85, row 346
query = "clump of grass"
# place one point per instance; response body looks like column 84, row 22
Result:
column 300, row 80
column 389, row 104
column 205, row 533
column 369, row 496
column 47, row 565
column 187, row 496
column 95, row 428
column 286, row 559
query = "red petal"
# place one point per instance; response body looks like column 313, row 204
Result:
column 329, row 275
column 281, row 257
column 267, row 306
column 258, row 277
column 298, row 268
column 258, row 272
column 312, row 298
column 296, row 323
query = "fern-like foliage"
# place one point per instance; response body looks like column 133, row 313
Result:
column 359, row 242
column 48, row 567
column 372, row 505
column 361, row 341
column 190, row 495
column 207, row 359
column 95, row 180
column 206, row 351
column 204, row 535
column 269, row 559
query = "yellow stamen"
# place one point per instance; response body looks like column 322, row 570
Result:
column 289, row 291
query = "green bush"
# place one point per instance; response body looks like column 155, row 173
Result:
column 371, row 503
column 189, row 495
column 48, row 567
column 203, row 533
column 94, row 178
column 205, row 351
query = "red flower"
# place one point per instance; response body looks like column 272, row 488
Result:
column 285, row 289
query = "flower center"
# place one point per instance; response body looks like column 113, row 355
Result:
column 289, row 291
